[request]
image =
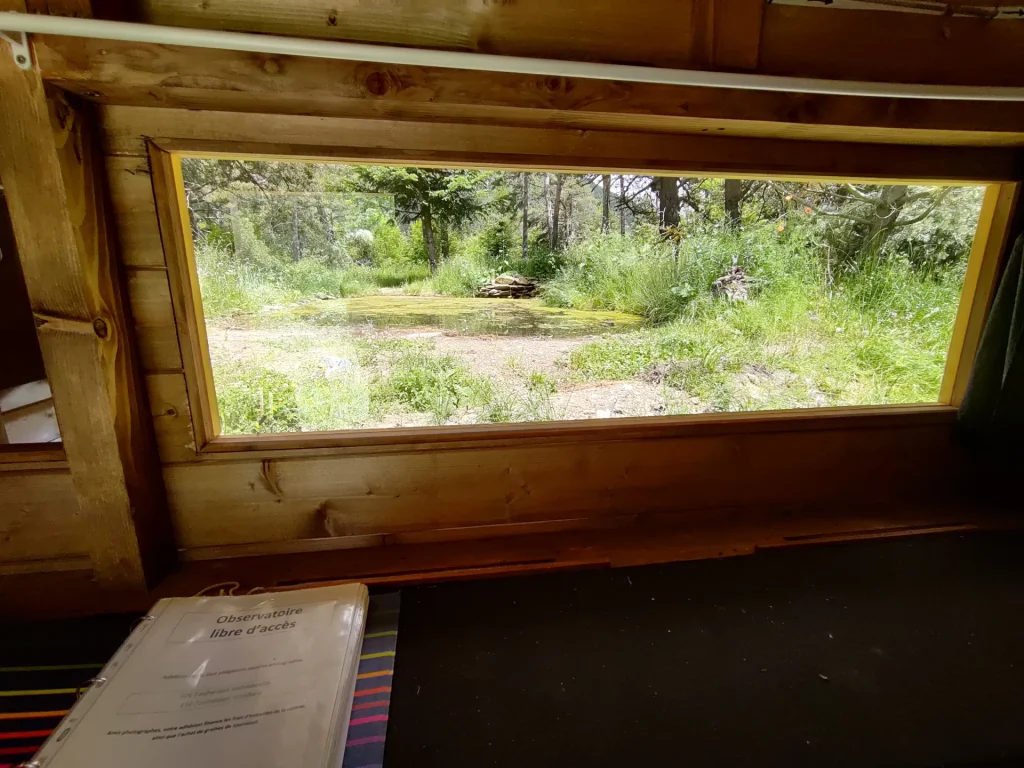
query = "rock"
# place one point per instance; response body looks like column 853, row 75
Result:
column 508, row 287
column 336, row 366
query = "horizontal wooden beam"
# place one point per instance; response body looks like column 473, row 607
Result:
column 252, row 500
column 127, row 130
column 723, row 33
column 634, row 540
column 802, row 41
column 880, row 45
column 139, row 74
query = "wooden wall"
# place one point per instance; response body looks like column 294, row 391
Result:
column 712, row 34
column 779, row 478
column 226, row 504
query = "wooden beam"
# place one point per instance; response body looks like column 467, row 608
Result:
column 654, row 32
column 555, row 149
column 800, row 41
column 980, row 282
column 168, row 76
column 53, row 177
column 633, row 540
column 844, row 44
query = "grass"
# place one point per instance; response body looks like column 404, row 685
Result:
column 807, row 336
column 881, row 338
column 230, row 286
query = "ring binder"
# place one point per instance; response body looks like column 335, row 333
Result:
column 268, row 677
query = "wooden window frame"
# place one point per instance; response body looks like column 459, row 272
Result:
column 981, row 278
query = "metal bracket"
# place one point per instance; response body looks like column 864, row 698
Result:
column 19, row 48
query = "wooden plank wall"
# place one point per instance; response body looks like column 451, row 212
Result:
column 720, row 34
column 49, row 157
column 251, row 502
column 260, row 501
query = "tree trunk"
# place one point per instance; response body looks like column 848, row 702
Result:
column 326, row 220
column 667, row 190
column 296, row 242
column 556, row 209
column 547, row 208
column 606, row 203
column 428, row 237
column 526, row 216
column 236, row 227
column 622, row 205
column 733, row 190
column 876, row 233
column 444, row 241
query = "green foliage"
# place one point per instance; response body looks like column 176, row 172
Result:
column 500, row 240
column 845, row 303
column 612, row 358
column 462, row 274
column 256, row 400
column 879, row 337
column 389, row 245
column 541, row 383
column 642, row 276
column 428, row 383
column 453, row 196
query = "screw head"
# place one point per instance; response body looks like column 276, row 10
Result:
column 21, row 58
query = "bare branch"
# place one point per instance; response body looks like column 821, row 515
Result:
column 935, row 204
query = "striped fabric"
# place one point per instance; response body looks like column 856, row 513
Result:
column 33, row 699
column 369, row 724
column 50, row 662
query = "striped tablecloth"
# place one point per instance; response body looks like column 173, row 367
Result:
column 43, row 666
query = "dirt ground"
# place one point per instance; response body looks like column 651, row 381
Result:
column 506, row 359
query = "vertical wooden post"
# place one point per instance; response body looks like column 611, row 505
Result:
column 984, row 268
column 53, row 176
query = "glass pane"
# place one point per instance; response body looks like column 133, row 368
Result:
column 342, row 297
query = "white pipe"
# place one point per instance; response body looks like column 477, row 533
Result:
column 424, row 57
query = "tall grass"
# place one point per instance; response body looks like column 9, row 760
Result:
column 804, row 338
column 641, row 275
column 230, row 285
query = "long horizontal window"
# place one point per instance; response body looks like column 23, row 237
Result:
column 341, row 297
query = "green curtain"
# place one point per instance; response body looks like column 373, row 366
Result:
column 992, row 411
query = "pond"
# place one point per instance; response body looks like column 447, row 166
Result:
column 469, row 317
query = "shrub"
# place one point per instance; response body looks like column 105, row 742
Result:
column 614, row 357
column 308, row 277
column 462, row 274
column 426, row 383
column 256, row 400
column 389, row 245
column 640, row 276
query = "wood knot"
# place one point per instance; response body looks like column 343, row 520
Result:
column 100, row 326
column 555, row 84
column 332, row 18
column 272, row 66
column 378, row 83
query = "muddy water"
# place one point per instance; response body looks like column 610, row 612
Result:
column 471, row 317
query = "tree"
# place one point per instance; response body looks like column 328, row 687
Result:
column 666, row 189
column 622, row 205
column 441, row 200
column 557, row 183
column 526, row 214
column 874, row 213
column 606, row 203
column 733, row 193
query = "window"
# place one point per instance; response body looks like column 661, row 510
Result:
column 339, row 297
